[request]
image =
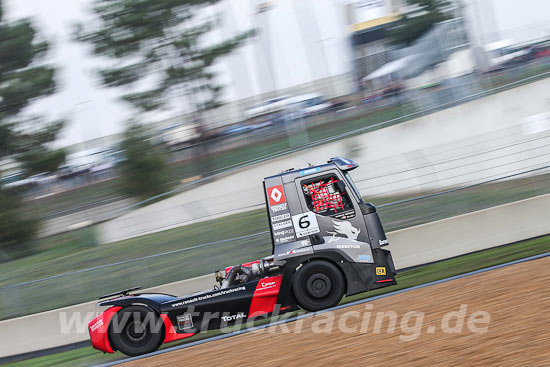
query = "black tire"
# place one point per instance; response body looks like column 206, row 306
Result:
column 318, row 285
column 136, row 330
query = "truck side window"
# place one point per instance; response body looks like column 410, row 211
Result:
column 323, row 197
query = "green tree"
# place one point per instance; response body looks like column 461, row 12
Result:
column 161, row 40
column 31, row 146
column 161, row 46
column 421, row 17
column 16, row 231
column 143, row 169
column 24, row 77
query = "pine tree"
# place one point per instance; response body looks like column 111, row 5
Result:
column 161, row 44
column 143, row 170
column 160, row 40
column 23, row 79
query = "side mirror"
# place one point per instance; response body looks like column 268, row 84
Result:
column 316, row 239
column 367, row 208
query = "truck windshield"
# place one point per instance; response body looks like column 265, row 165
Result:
column 352, row 185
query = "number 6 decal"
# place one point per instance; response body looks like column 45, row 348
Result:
column 305, row 224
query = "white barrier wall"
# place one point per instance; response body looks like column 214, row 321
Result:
column 470, row 232
column 495, row 136
column 412, row 246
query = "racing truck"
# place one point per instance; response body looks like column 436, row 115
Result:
column 327, row 242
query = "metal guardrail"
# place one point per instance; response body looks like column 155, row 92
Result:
column 124, row 262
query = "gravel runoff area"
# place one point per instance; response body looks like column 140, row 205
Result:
column 504, row 315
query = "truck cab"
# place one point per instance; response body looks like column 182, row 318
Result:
column 317, row 213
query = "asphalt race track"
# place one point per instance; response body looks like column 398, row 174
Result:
column 504, row 309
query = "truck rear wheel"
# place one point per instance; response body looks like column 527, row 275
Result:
column 136, row 330
column 318, row 285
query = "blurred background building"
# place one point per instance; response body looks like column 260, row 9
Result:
column 329, row 48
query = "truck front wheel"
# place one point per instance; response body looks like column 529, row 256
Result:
column 318, row 285
column 136, row 330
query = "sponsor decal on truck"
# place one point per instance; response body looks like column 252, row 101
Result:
column 279, row 207
column 276, row 195
column 280, row 217
column 238, row 316
column 184, row 321
column 281, row 225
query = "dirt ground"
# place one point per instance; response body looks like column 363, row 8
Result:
column 516, row 298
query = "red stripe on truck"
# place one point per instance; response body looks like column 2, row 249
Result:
column 265, row 296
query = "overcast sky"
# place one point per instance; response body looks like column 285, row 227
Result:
column 91, row 110
column 94, row 111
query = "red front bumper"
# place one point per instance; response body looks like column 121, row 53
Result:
column 99, row 327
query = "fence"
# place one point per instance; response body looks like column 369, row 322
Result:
column 226, row 153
